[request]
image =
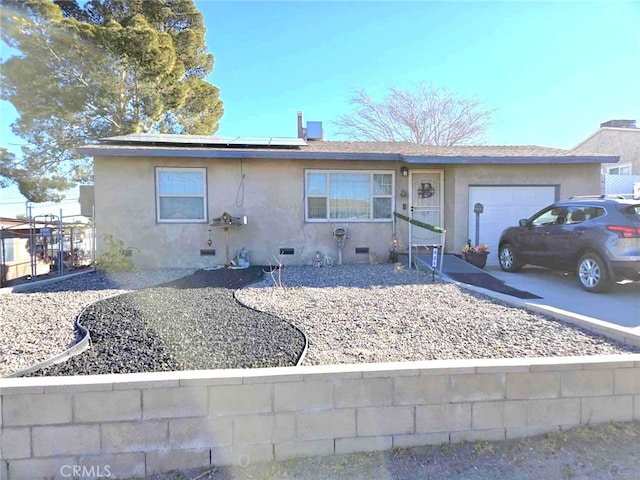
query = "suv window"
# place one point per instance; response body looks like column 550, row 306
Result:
column 552, row 216
column 593, row 212
column 632, row 212
column 581, row 214
column 575, row 215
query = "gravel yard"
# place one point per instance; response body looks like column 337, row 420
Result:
column 350, row 314
column 367, row 314
column 36, row 324
column 192, row 323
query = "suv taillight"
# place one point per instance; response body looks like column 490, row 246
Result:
column 625, row 232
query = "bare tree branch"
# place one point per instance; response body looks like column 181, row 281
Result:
column 425, row 114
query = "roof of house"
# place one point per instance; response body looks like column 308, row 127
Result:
column 16, row 224
column 20, row 223
column 413, row 149
column 198, row 146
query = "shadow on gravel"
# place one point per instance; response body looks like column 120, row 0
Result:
column 91, row 281
column 25, row 284
column 193, row 323
column 219, row 278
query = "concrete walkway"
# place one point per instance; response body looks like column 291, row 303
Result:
column 620, row 306
column 561, row 294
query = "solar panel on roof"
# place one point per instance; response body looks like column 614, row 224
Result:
column 206, row 140
column 170, row 138
column 218, row 140
column 287, row 142
column 253, row 141
column 194, row 140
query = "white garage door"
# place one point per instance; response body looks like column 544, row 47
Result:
column 503, row 207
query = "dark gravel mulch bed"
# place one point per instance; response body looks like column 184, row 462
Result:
column 190, row 324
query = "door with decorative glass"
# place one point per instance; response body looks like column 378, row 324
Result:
column 427, row 200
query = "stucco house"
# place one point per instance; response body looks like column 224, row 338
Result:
column 164, row 195
column 621, row 138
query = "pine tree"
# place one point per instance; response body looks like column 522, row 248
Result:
column 96, row 69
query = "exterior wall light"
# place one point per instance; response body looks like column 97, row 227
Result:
column 404, row 171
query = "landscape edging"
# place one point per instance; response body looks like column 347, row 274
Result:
column 79, row 347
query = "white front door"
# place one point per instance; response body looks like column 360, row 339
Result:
column 427, row 200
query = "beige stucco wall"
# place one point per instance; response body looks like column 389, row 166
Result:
column 273, row 201
column 582, row 179
column 624, row 143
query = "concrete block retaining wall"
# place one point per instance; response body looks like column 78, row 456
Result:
column 139, row 424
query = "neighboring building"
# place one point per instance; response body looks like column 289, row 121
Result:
column 160, row 194
column 19, row 261
column 620, row 138
column 15, row 250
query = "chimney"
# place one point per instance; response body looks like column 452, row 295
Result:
column 619, row 124
column 300, row 129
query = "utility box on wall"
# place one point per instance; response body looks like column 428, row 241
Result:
column 87, row 200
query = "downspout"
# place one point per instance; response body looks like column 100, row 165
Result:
column 3, row 262
column 60, row 246
column 94, row 242
column 393, row 228
column 32, row 228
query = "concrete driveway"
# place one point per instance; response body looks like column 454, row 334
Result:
column 620, row 306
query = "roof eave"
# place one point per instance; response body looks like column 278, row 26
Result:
column 235, row 153
column 510, row 160
column 163, row 152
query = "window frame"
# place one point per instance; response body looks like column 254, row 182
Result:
column 8, row 246
column 327, row 172
column 619, row 166
column 204, row 196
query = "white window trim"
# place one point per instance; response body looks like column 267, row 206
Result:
column 371, row 196
column 618, row 166
column 203, row 170
column 4, row 254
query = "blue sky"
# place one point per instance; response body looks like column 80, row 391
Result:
column 551, row 71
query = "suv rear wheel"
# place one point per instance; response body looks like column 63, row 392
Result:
column 592, row 273
column 508, row 258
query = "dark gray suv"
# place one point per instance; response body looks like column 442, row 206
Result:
column 598, row 237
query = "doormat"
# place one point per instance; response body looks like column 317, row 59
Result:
column 490, row 282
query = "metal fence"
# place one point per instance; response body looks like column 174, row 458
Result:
column 44, row 246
